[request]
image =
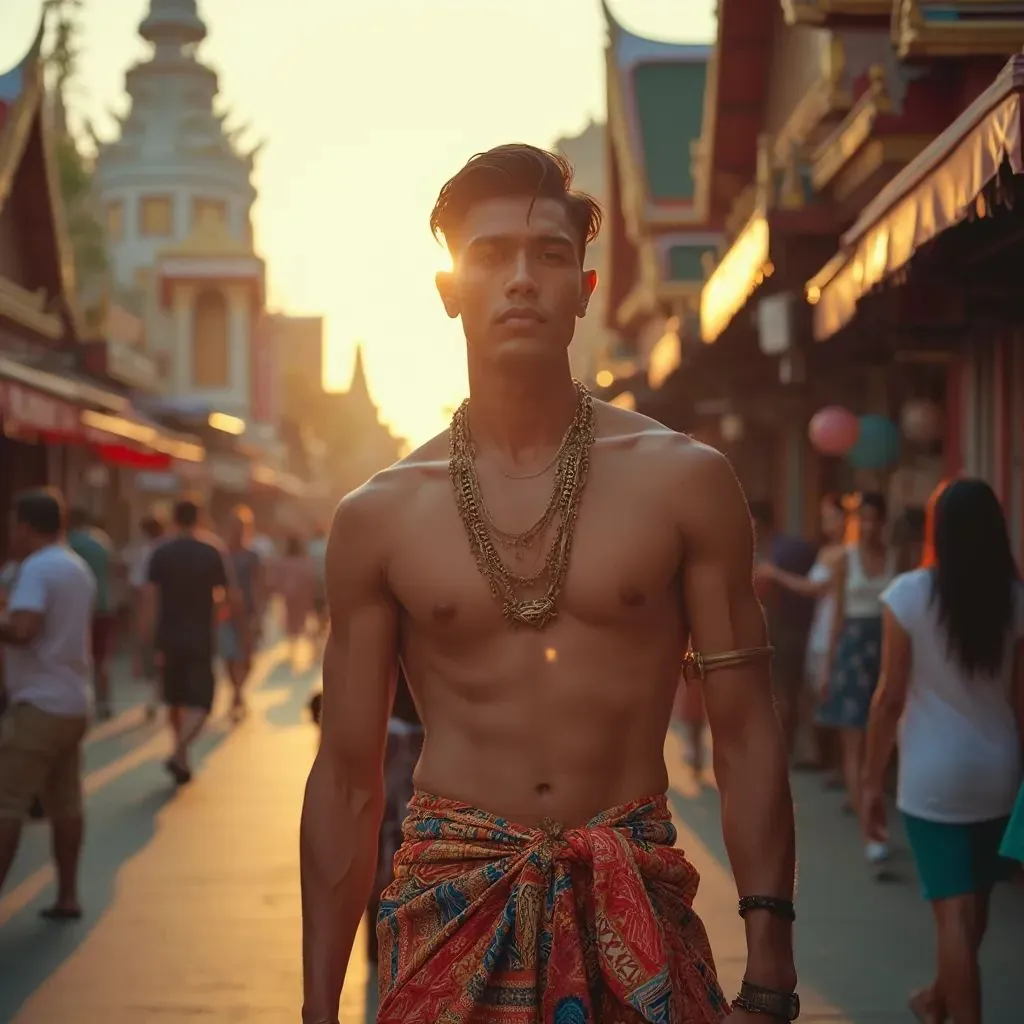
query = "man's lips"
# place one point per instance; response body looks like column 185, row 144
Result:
column 520, row 316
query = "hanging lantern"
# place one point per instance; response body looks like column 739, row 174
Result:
column 921, row 421
column 833, row 430
column 878, row 444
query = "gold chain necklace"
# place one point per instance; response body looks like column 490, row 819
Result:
column 570, row 479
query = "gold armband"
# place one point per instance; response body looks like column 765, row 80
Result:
column 701, row 664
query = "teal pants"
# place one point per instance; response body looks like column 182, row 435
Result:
column 957, row 859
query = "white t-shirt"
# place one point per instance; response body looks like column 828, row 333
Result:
column 54, row 672
column 821, row 626
column 960, row 752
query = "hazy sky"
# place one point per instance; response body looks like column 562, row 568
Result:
column 367, row 107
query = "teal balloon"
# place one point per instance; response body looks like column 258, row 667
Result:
column 878, row 444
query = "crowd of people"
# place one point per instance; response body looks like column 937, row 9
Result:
column 199, row 600
column 912, row 638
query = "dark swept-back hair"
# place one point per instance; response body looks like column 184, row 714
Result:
column 975, row 575
column 516, row 169
column 42, row 511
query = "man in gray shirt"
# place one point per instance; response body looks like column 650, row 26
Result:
column 48, row 669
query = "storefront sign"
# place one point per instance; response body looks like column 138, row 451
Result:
column 27, row 409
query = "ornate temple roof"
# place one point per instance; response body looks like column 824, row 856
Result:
column 655, row 112
column 658, row 229
column 25, row 134
column 172, row 130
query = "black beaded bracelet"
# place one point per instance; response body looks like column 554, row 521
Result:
column 775, row 905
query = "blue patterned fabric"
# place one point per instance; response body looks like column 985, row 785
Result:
column 847, row 700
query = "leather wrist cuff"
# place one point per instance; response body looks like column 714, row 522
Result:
column 775, row 905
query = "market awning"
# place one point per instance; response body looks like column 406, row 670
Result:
column 739, row 274
column 132, row 432
column 778, row 237
column 62, row 409
column 935, row 191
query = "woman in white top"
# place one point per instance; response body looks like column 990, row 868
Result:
column 953, row 687
column 852, row 662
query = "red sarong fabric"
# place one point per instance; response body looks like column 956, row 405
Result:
column 488, row 922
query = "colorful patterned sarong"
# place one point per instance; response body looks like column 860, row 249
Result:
column 488, row 922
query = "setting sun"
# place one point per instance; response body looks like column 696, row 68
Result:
column 381, row 104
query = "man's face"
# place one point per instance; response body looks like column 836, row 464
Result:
column 517, row 282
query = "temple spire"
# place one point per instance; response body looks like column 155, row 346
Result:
column 358, row 388
column 173, row 24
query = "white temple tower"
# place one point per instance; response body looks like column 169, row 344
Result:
column 178, row 197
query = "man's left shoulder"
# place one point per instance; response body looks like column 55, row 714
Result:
column 687, row 463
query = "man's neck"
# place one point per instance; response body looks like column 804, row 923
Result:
column 520, row 415
column 38, row 544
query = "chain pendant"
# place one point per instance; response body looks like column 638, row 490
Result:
column 573, row 460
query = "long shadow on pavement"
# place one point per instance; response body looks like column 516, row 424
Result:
column 121, row 819
column 863, row 944
column 294, row 689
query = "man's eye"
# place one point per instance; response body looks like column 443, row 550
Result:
column 553, row 256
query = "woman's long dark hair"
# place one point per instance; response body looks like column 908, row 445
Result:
column 975, row 575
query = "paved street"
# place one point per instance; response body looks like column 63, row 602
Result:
column 193, row 904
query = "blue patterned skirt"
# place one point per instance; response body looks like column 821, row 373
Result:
column 854, row 676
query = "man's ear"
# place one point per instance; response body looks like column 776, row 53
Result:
column 587, row 291
column 445, row 281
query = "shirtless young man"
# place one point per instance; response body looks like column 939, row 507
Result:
column 537, row 881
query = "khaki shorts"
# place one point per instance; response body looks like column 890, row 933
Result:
column 40, row 756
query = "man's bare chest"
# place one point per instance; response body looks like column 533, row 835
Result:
column 622, row 566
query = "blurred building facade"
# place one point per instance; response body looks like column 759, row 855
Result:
column 60, row 422
column 855, row 169
column 593, row 344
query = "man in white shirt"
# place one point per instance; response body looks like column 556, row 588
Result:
column 48, row 670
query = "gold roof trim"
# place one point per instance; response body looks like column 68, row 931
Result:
column 29, row 310
column 819, row 12
column 968, row 36
column 14, row 138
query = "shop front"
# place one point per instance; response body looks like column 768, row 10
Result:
column 930, row 271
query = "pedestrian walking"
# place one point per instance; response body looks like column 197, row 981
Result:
column 296, row 583
column 45, row 632
column 94, row 547
column 852, row 663
column 144, row 660
column 789, row 616
column 247, row 568
column 189, row 575
column 952, row 690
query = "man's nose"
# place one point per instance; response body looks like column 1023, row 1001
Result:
column 521, row 281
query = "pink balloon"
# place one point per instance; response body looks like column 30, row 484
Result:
column 833, row 430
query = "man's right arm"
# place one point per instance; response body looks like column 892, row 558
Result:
column 344, row 800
